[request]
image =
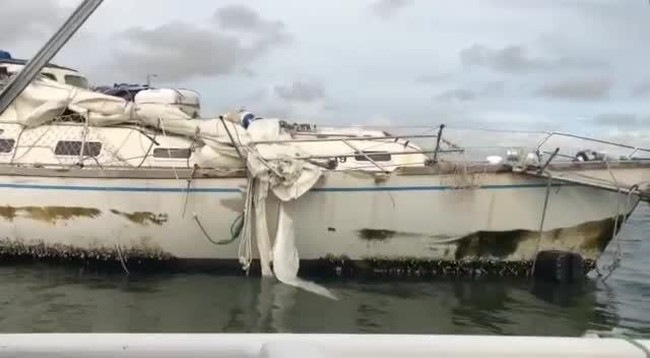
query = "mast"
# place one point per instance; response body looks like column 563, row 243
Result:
column 19, row 82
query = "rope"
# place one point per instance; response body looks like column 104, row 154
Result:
column 618, row 255
column 187, row 191
column 146, row 154
column 245, row 251
column 13, row 155
column 541, row 223
column 235, row 230
column 162, row 127
column 461, row 176
column 232, row 140
column 122, row 262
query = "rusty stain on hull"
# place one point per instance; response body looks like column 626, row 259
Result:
column 49, row 214
column 8, row 212
column 598, row 234
column 498, row 244
column 375, row 235
column 384, row 235
column 588, row 239
column 593, row 237
column 143, row 217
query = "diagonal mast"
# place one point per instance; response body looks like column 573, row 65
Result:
column 19, row 82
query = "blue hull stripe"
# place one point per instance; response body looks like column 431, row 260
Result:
column 432, row 188
column 236, row 190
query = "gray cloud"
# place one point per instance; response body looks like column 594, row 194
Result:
column 458, row 94
column 582, row 89
column 491, row 89
column 178, row 50
column 244, row 19
column 22, row 20
column 642, row 90
column 388, row 8
column 301, row 91
column 433, row 78
column 516, row 59
column 621, row 120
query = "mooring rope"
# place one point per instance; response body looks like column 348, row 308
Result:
column 618, row 254
column 542, row 220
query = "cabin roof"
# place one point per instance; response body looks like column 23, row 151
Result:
column 16, row 61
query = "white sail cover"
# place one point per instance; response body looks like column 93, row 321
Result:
column 45, row 100
column 274, row 165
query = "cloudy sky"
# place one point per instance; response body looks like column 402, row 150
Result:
column 576, row 65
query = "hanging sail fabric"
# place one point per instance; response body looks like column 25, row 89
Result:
column 288, row 179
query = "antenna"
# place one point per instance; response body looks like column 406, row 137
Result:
column 149, row 77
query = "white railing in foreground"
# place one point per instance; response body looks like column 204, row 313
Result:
column 313, row 345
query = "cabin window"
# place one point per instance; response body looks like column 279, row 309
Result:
column 67, row 147
column 76, row 81
column 376, row 156
column 7, row 145
column 49, row 76
column 172, row 153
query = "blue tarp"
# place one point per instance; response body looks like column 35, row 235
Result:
column 4, row 55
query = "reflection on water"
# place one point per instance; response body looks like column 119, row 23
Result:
column 47, row 299
column 55, row 299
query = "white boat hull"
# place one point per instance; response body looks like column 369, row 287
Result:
column 348, row 221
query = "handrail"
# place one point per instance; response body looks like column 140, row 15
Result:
column 331, row 156
column 563, row 134
column 343, row 137
column 366, row 156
